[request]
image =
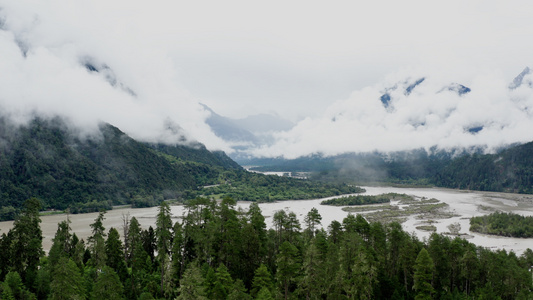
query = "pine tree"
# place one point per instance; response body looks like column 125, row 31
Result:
column 67, row 282
column 312, row 220
column 288, row 265
column 27, row 248
column 164, row 239
column 177, row 253
column 223, row 283
column 62, row 244
column 264, row 294
column 238, row 291
column 97, row 242
column 107, row 286
column 192, row 285
column 262, row 279
column 115, row 254
column 423, row 276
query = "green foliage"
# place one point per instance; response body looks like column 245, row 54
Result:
column 510, row 170
column 243, row 185
column 67, row 282
column 361, row 199
column 107, row 286
column 192, row 284
column 504, row 224
column 50, row 161
column 423, row 276
column 27, row 249
column 354, row 259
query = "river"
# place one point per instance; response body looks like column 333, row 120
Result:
column 463, row 203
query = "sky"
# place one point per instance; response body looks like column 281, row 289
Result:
column 307, row 61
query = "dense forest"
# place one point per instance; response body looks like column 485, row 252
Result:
column 360, row 200
column 65, row 169
column 509, row 170
column 264, row 188
column 505, row 224
column 219, row 252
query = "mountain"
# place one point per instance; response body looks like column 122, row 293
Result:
column 524, row 78
column 228, row 129
column 251, row 129
column 509, row 170
column 250, row 132
column 49, row 160
column 64, row 167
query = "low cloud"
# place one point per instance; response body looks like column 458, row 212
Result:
column 125, row 63
column 413, row 111
column 73, row 61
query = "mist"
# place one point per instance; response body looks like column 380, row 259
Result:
column 145, row 68
column 79, row 63
column 415, row 110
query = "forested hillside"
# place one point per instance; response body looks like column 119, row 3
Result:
column 46, row 160
column 219, row 252
column 510, row 170
column 51, row 161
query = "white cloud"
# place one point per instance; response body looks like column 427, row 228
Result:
column 47, row 74
column 429, row 116
column 295, row 58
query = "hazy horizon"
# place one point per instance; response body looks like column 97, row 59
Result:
column 146, row 68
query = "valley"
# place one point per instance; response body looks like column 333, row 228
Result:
column 461, row 206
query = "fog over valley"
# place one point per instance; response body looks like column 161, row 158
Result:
column 164, row 74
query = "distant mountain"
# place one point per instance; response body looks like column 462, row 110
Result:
column 510, row 170
column 457, row 88
column 228, row 129
column 252, row 131
column 524, row 78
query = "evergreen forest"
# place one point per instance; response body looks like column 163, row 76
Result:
column 68, row 170
column 504, row 224
column 508, row 170
column 219, row 252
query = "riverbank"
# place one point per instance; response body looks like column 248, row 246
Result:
column 461, row 204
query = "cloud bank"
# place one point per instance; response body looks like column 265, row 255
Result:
column 144, row 67
column 75, row 60
column 413, row 110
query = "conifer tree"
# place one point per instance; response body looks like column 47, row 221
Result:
column 192, row 284
column 164, row 239
column 423, row 276
column 288, row 265
column 115, row 254
column 262, row 279
column 238, row 291
column 223, row 283
column 97, row 242
column 107, row 286
column 27, row 248
column 67, row 282
column 312, row 220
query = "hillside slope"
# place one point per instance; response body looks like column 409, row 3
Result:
column 510, row 170
column 46, row 159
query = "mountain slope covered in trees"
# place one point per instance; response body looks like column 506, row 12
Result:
column 509, row 170
column 51, row 161
column 44, row 159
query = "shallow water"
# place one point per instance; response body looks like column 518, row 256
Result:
column 464, row 203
